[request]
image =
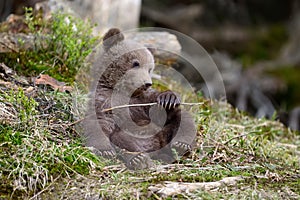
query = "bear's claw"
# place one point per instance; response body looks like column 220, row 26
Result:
column 105, row 153
column 168, row 100
column 181, row 148
column 140, row 161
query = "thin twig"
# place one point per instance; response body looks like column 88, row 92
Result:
column 5, row 45
column 238, row 136
column 76, row 122
column 146, row 104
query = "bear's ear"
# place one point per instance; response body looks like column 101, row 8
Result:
column 112, row 37
column 151, row 49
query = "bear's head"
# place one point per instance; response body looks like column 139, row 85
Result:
column 128, row 65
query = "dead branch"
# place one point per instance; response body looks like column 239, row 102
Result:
column 169, row 188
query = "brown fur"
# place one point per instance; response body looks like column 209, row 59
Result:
column 137, row 134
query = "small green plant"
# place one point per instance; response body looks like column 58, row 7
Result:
column 25, row 106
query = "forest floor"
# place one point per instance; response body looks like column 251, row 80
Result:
column 236, row 156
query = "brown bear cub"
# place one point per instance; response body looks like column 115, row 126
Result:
column 141, row 133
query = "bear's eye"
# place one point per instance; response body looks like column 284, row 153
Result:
column 135, row 63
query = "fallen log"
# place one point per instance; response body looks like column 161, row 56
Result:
column 18, row 42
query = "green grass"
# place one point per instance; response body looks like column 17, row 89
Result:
column 39, row 145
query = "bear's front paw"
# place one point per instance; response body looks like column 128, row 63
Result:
column 181, row 148
column 168, row 100
column 140, row 161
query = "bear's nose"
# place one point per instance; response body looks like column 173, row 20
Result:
column 147, row 85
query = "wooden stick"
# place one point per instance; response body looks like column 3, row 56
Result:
column 146, row 104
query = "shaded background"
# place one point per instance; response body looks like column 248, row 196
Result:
column 254, row 43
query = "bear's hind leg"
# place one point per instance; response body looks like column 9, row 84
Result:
column 95, row 138
column 134, row 160
column 132, row 150
column 184, row 138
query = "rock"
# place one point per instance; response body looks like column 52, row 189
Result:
column 123, row 14
column 161, row 43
